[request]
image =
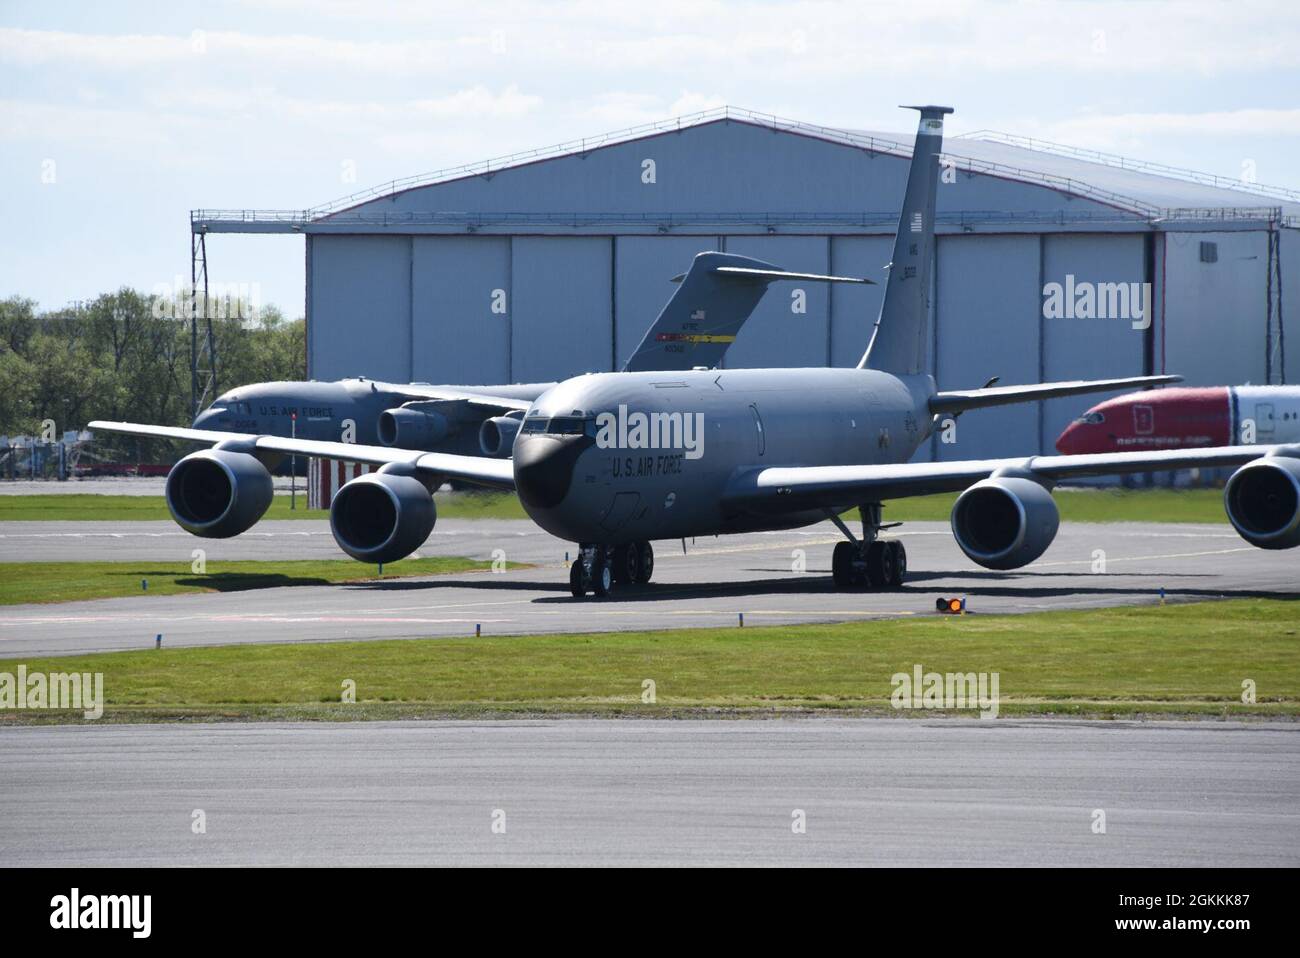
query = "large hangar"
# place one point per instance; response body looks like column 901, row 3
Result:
column 553, row 263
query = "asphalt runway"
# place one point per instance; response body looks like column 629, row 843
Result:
column 111, row 486
column 885, row 792
column 715, row 581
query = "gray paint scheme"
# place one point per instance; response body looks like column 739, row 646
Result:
column 707, row 300
column 742, row 180
column 778, row 448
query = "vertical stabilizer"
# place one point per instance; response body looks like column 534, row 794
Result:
column 717, row 296
column 702, row 318
column 898, row 339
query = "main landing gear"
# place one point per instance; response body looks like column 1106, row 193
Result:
column 599, row 568
column 868, row 562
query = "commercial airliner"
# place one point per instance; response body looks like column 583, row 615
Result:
column 697, row 325
column 613, row 461
column 1186, row 418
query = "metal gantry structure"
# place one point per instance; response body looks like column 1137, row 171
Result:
column 203, row 344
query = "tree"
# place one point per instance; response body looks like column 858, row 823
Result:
column 114, row 359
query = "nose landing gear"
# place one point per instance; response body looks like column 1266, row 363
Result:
column 599, row 568
column 869, row 562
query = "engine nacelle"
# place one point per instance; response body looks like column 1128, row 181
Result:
column 218, row 493
column 409, row 428
column 1004, row 522
column 496, row 437
column 1262, row 500
column 382, row 517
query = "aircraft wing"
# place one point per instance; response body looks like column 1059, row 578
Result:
column 790, row 489
column 504, row 403
column 958, row 401
column 496, row 473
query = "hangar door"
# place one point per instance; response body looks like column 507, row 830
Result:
column 360, row 307
column 562, row 313
column 987, row 324
column 1096, row 347
column 460, row 313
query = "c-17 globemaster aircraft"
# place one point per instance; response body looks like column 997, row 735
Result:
column 614, row 460
column 717, row 295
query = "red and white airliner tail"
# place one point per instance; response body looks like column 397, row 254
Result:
column 1186, row 418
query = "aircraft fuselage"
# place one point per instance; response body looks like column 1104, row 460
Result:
column 621, row 457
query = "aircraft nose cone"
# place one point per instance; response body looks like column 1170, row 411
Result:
column 544, row 468
column 206, row 420
column 1069, row 442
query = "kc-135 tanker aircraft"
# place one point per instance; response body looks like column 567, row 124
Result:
column 614, row 460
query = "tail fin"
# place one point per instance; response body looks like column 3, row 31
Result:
column 898, row 340
column 717, row 296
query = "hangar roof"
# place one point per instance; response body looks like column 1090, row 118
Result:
column 1154, row 184
column 1118, row 188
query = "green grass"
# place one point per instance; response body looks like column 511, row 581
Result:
column 1077, row 505
column 23, row 582
column 1091, row 505
column 1172, row 660
column 77, row 507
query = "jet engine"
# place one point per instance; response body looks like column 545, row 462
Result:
column 382, row 516
column 412, row 428
column 496, row 437
column 1004, row 522
column 218, row 493
column 1262, row 500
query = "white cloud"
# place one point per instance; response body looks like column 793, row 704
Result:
column 1092, row 130
column 694, row 42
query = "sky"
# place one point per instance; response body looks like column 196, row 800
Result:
column 117, row 119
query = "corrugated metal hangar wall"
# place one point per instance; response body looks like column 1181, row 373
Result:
column 544, row 269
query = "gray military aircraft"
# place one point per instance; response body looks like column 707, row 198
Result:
column 702, row 318
column 613, row 461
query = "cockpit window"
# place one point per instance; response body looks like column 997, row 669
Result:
column 1092, row 418
column 559, row 426
column 566, row 426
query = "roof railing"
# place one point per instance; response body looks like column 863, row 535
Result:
column 866, row 141
column 1140, row 166
column 688, row 218
column 585, row 144
column 870, row 142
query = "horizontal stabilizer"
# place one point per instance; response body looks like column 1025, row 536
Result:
column 960, row 400
column 741, row 271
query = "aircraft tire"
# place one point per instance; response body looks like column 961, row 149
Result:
column 899, row 571
column 627, row 563
column 576, row 585
column 879, row 565
column 602, row 583
column 645, row 564
column 842, row 565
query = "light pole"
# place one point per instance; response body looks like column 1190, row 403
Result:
column 293, row 464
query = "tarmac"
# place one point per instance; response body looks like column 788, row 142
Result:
column 880, row 792
column 770, row 578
